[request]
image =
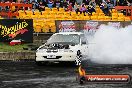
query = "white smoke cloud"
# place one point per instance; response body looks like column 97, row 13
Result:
column 112, row 46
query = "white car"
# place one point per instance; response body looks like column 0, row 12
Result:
column 62, row 47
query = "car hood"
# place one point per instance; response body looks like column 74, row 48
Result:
column 57, row 47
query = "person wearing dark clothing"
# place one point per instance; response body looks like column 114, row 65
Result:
column 98, row 2
column 92, row 6
column 105, row 9
column 61, row 3
column 86, row 2
column 90, row 9
column 57, row 3
column 65, row 5
column 34, row 5
column 14, row 0
column 109, row 4
column 44, row 3
column 41, row 7
column 122, row 3
column 73, row 2
column 77, row 8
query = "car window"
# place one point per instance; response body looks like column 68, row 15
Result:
column 83, row 39
column 71, row 38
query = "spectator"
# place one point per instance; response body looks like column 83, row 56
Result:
column 44, row 3
column 83, row 9
column 86, row 2
column 79, row 2
column 75, row 6
column 57, row 3
column 114, row 2
column 73, row 2
column 70, row 7
column 2, row 1
column 25, row 2
column 41, row 7
column 109, row 4
column 98, row 2
column 65, row 5
column 34, row 5
column 7, row 8
column 105, row 9
column 104, row 1
column 61, row 3
column 122, row 3
column 92, row 3
column 50, row 3
column 77, row 9
column 92, row 6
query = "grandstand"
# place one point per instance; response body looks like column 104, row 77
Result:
column 45, row 21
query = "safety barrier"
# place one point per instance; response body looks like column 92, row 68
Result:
column 127, row 8
column 12, row 6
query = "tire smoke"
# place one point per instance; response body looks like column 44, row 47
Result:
column 112, row 45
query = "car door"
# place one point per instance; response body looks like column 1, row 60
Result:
column 84, row 45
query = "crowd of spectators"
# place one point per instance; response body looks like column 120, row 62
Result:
column 82, row 6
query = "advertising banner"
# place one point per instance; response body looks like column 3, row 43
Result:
column 66, row 26
column 15, row 29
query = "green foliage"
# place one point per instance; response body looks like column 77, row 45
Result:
column 4, row 47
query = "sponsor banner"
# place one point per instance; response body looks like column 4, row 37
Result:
column 16, row 29
column 91, row 25
column 102, row 78
column 66, row 26
column 108, row 78
column 115, row 24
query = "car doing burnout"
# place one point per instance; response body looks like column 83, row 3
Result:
column 62, row 47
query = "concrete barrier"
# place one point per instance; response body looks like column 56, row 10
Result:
column 14, row 56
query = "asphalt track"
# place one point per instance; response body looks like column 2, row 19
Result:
column 26, row 74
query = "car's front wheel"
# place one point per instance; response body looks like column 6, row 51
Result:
column 78, row 58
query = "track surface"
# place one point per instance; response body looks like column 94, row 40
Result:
column 26, row 74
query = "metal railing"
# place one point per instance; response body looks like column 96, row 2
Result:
column 128, row 10
column 9, row 13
